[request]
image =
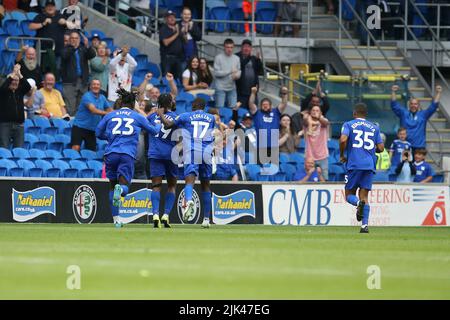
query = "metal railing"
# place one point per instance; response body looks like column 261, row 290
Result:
column 25, row 40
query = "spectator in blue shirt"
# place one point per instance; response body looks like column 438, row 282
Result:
column 415, row 120
column 424, row 171
column 267, row 123
column 398, row 146
column 311, row 173
column 92, row 107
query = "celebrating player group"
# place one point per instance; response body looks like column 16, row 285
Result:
column 360, row 139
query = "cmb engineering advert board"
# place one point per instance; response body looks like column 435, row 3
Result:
column 86, row 201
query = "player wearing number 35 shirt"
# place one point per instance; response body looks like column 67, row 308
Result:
column 122, row 128
column 360, row 139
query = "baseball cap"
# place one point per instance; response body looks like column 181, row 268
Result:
column 31, row 82
column 50, row 3
column 96, row 35
column 170, row 13
column 246, row 41
column 246, row 116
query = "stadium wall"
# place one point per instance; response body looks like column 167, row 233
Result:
column 86, row 201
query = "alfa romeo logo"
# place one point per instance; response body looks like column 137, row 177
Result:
column 84, row 204
column 181, row 204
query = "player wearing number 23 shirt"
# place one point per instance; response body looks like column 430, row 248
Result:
column 121, row 128
column 360, row 139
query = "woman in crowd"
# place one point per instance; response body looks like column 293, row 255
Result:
column 288, row 140
column 204, row 73
column 190, row 76
column 100, row 67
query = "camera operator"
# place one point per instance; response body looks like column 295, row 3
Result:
column 405, row 170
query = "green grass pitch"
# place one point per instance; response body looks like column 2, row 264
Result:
column 224, row 262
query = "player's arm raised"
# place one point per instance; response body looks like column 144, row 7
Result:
column 172, row 85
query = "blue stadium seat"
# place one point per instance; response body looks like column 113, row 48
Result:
column 141, row 60
column 53, row 154
column 109, row 42
column 42, row 122
column 29, row 140
column 253, row 170
column 333, row 145
column 392, row 177
column 225, row 114
column 8, row 165
column 5, row 153
column 236, row 14
column 20, row 153
column 17, row 172
column 48, row 169
column 97, row 166
column 36, row 154
column 298, row 159
column 42, row 164
column 72, row 154
column 18, row 15
column 154, row 69
column 62, row 142
column 86, row 173
column 60, row 164
column 11, row 26
column 381, row 176
column 25, row 27
column 219, row 13
column 26, row 165
column 100, row 154
column 60, row 124
column 289, row 169
column 88, row 154
column 31, row 15
column 134, row 51
column 284, row 157
column 438, row 178
column 336, row 168
column 265, row 12
column 35, row 173
column 9, row 59
column 70, row 173
column 77, row 164
column 301, row 146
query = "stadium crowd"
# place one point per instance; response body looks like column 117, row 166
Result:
column 77, row 82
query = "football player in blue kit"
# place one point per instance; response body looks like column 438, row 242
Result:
column 198, row 138
column 121, row 128
column 161, row 164
column 360, row 139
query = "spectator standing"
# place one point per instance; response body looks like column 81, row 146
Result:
column 248, row 11
column 171, row 46
column 316, row 138
column 288, row 11
column 50, row 99
column 227, row 69
column 50, row 24
column 316, row 98
column 311, row 173
column 29, row 68
column 405, row 169
column 148, row 92
column 267, row 123
column 121, row 70
column 424, row 171
column 190, row 77
column 415, row 120
column 12, row 91
column 29, row 99
column 246, row 124
column 96, row 41
column 100, row 67
column 251, row 68
column 73, row 16
column 92, row 107
column 398, row 146
column 75, row 70
column 191, row 33
column 204, row 73
column 289, row 140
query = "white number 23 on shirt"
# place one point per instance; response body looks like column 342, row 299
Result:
column 367, row 142
column 129, row 130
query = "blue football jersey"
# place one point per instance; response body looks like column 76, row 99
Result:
column 160, row 145
column 397, row 147
column 198, row 127
column 423, row 171
column 363, row 136
column 122, row 128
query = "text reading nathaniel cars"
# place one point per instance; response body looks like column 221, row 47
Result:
column 225, row 310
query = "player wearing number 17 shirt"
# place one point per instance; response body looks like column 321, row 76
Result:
column 197, row 130
column 122, row 128
column 360, row 139
column 160, row 150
